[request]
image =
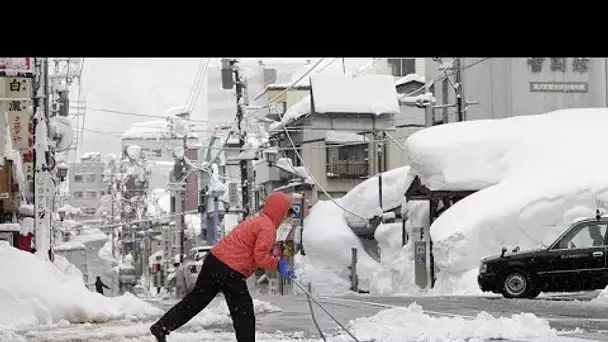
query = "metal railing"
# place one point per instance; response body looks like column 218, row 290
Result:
column 348, row 169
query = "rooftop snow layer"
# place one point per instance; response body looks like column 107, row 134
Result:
column 531, row 171
column 410, row 78
column 374, row 94
column 293, row 113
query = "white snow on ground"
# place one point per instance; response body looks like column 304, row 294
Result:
column 390, row 325
column 35, row 292
column 530, row 169
column 410, row 323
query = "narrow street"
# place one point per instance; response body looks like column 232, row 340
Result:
column 294, row 321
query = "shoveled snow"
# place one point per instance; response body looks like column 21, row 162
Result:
column 35, row 292
column 363, row 199
column 412, row 324
column 374, row 94
column 328, row 240
column 531, row 171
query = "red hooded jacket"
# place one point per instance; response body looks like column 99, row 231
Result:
column 248, row 245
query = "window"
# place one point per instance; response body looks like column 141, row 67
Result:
column 78, row 194
column 91, row 177
column 77, row 178
column 278, row 108
column 347, row 161
column 402, row 66
column 89, row 211
column 91, row 194
column 587, row 235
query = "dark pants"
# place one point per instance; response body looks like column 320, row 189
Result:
column 214, row 277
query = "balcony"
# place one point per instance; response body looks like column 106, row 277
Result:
column 348, row 169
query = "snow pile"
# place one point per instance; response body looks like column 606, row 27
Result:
column 395, row 274
column 329, row 225
column 530, row 169
column 328, row 240
column 67, row 268
column 324, row 281
column 412, row 324
column 34, row 292
column 259, row 306
column 374, row 94
column 364, row 201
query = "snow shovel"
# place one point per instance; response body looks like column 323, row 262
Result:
column 310, row 296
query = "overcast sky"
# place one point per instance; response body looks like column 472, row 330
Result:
column 141, row 85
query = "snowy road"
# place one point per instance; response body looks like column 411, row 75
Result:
column 294, row 321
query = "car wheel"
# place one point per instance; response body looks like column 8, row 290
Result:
column 517, row 284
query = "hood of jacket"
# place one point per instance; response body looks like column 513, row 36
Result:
column 276, row 207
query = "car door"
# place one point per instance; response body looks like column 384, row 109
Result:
column 579, row 258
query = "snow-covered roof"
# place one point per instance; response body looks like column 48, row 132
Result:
column 293, row 113
column 374, row 94
column 343, row 137
column 410, row 78
column 419, row 100
column 177, row 110
column 150, row 130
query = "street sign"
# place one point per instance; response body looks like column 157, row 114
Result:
column 296, row 218
column 420, row 265
column 233, row 194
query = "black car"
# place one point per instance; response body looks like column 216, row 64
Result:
column 576, row 261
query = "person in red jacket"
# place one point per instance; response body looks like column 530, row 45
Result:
column 230, row 262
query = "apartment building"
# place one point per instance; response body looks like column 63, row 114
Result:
column 86, row 185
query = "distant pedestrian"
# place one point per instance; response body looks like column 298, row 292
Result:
column 99, row 285
column 227, row 266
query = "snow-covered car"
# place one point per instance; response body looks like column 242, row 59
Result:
column 127, row 275
column 575, row 261
column 193, row 261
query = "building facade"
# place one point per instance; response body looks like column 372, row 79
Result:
column 86, row 184
column 506, row 87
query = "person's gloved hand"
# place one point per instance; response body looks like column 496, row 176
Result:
column 285, row 270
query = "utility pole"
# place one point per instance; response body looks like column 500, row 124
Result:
column 239, row 117
column 461, row 109
column 43, row 184
column 181, row 190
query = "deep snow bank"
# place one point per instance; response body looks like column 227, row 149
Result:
column 531, row 170
column 328, row 237
column 33, row 292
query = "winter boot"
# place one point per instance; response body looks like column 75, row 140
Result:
column 160, row 332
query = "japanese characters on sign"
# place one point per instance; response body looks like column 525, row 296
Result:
column 18, row 88
column 27, row 159
column 559, row 64
column 19, row 115
column 559, row 87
